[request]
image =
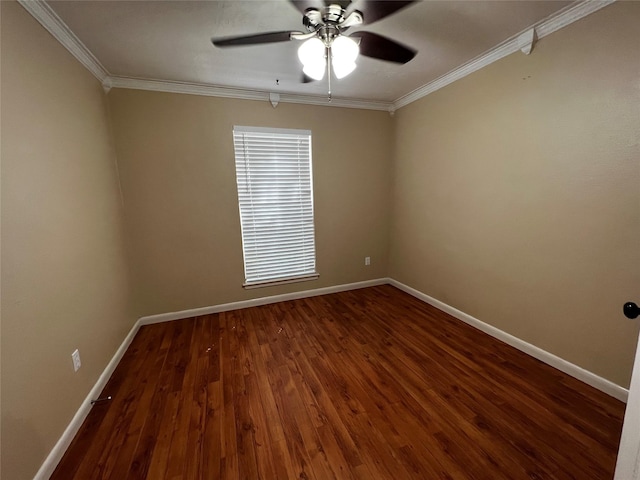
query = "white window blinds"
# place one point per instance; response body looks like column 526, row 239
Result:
column 275, row 195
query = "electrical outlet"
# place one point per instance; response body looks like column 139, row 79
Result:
column 367, row 261
column 75, row 356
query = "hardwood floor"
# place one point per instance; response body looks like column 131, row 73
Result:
column 367, row 384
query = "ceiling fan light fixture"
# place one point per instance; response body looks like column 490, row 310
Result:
column 312, row 55
column 344, row 52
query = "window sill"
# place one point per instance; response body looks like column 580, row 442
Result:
column 284, row 281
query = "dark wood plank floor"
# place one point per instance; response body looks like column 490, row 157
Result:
column 367, row 384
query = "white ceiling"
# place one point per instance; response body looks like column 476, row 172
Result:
column 170, row 41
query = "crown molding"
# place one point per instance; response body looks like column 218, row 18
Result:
column 336, row 102
column 44, row 14
column 571, row 14
column 543, row 28
column 238, row 93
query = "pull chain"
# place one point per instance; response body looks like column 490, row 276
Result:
column 329, row 70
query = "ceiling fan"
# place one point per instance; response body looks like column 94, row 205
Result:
column 326, row 44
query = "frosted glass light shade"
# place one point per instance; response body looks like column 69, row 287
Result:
column 342, row 69
column 344, row 52
column 315, row 71
column 311, row 54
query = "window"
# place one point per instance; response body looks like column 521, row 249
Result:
column 275, row 196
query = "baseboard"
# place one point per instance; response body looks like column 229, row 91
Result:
column 255, row 302
column 569, row 368
column 54, row 457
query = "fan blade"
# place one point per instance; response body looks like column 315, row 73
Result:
column 376, row 46
column 374, row 10
column 270, row 37
column 306, row 78
column 304, row 5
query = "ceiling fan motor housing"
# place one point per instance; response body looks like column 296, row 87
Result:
column 330, row 22
column 333, row 14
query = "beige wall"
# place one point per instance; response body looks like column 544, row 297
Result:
column 64, row 278
column 175, row 156
column 511, row 195
column 517, row 193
